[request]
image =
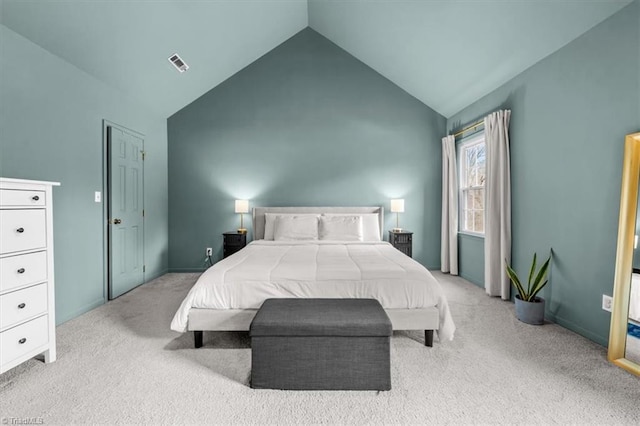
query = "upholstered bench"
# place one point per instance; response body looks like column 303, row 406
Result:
column 320, row 344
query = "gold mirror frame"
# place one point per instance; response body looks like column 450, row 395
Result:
column 624, row 255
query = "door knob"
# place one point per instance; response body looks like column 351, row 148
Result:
column 116, row 221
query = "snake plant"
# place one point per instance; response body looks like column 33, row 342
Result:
column 537, row 280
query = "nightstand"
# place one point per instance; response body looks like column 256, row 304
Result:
column 402, row 241
column 233, row 242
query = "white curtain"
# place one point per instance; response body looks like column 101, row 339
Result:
column 497, row 236
column 449, row 245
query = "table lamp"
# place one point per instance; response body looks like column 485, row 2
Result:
column 397, row 206
column 242, row 207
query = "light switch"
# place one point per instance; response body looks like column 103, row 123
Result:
column 98, row 197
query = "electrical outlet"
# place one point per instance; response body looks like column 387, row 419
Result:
column 209, row 251
column 607, row 303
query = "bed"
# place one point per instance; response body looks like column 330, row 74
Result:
column 338, row 264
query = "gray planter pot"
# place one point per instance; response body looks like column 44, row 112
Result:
column 530, row 312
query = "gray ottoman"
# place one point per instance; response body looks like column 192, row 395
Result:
column 320, row 344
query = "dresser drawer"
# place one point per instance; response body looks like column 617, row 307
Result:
column 235, row 239
column 20, row 305
column 22, row 270
column 14, row 197
column 20, row 340
column 22, row 230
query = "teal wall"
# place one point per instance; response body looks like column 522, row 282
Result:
column 471, row 257
column 570, row 113
column 306, row 124
column 51, row 117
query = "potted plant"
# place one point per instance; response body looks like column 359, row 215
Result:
column 530, row 307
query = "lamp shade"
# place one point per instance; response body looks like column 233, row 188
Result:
column 397, row 206
column 242, row 206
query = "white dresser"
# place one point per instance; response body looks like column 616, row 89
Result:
column 27, row 302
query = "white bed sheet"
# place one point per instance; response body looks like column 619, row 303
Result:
column 316, row 269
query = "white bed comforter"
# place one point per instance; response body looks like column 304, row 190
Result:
column 319, row 269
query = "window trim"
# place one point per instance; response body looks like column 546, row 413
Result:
column 463, row 143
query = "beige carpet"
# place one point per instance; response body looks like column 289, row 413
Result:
column 120, row 363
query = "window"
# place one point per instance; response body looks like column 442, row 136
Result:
column 472, row 161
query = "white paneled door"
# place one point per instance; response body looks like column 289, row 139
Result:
column 126, row 211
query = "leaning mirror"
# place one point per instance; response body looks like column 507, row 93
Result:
column 624, row 336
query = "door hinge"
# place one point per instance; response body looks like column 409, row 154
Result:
column 144, row 154
column 144, row 268
column 142, row 212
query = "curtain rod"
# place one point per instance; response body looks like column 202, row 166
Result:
column 472, row 126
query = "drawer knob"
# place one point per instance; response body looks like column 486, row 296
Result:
column 22, row 341
column 21, row 271
column 21, row 306
column 35, row 198
column 20, row 230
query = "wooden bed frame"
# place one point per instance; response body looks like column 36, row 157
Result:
column 201, row 320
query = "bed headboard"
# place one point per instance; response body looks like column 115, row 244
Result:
column 258, row 215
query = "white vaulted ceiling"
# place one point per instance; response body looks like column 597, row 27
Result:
column 445, row 53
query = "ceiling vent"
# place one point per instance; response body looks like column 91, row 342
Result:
column 178, row 62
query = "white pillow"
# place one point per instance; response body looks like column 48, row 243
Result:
column 270, row 219
column 370, row 225
column 295, row 227
column 340, row 228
